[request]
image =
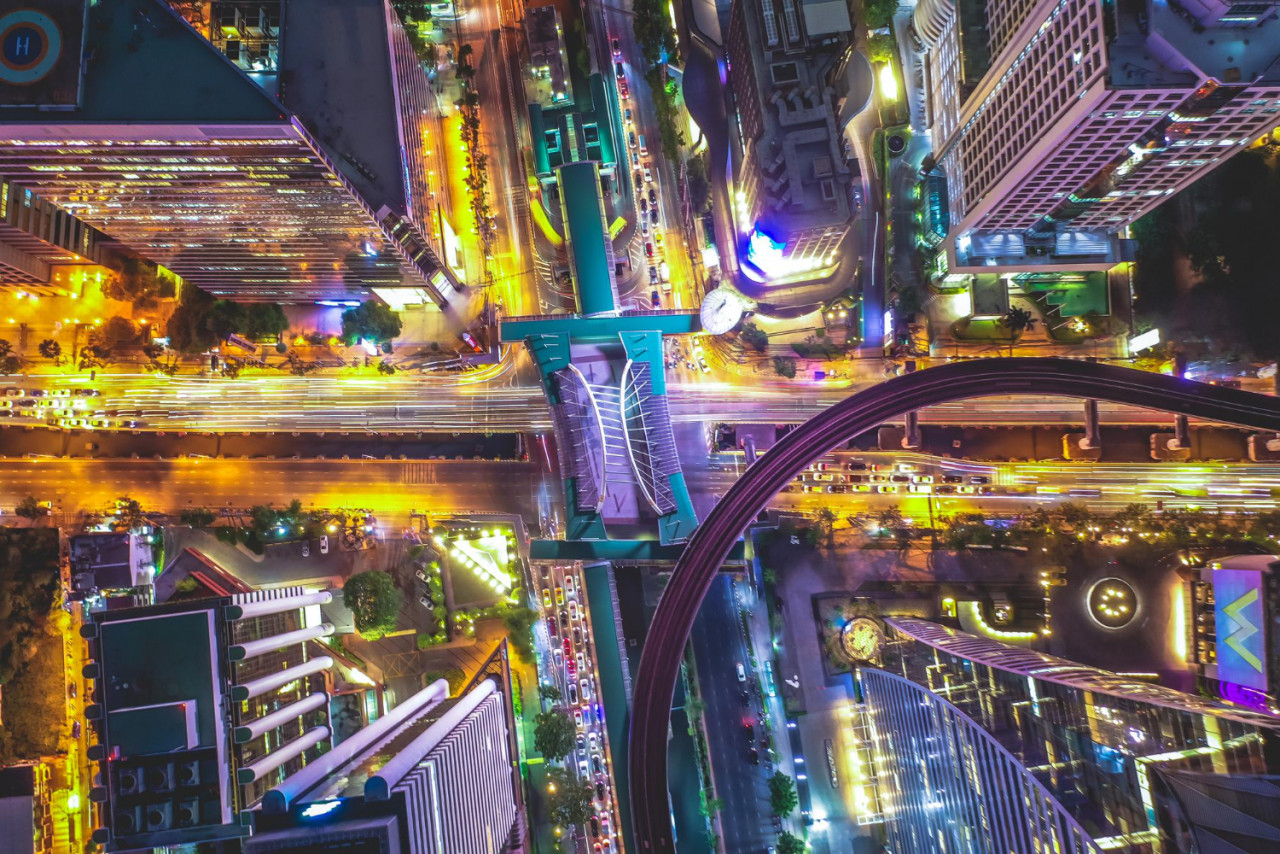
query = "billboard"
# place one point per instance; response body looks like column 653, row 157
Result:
column 1240, row 615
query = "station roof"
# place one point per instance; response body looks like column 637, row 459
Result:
column 587, row 234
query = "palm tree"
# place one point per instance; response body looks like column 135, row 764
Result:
column 50, row 349
column 1017, row 320
column 5, row 348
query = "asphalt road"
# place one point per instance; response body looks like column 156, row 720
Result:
column 718, row 647
column 391, row 489
column 711, row 542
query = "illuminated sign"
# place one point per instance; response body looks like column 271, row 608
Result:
column 319, row 809
column 1146, row 340
column 1241, row 627
column 765, row 252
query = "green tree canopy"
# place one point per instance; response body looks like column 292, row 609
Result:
column 790, row 844
column 372, row 321
column 374, row 601
column 519, row 623
column 549, row 692
column 570, row 802
column 554, row 734
column 784, row 366
column 782, row 794
column 754, row 337
column 196, row 517
column 29, row 508
column 50, row 349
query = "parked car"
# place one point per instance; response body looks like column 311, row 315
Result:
column 324, row 544
column 742, row 672
column 306, row 550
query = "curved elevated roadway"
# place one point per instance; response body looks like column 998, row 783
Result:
column 710, row 543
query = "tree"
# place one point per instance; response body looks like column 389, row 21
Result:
column 568, row 798
column 879, row 13
column 197, row 517
column 784, row 366
column 129, row 513
column 5, row 348
column 454, row 676
column 29, row 508
column 138, row 281
column 224, row 318
column 50, row 349
column 790, row 844
column 93, row 356
column 1017, row 320
column 699, row 187
column 754, row 337
column 374, row 602
column 385, row 367
column 188, row 327
column 119, row 330
column 782, row 794
column 371, row 320
column 549, row 692
column 263, row 320
column 10, row 364
column 826, row 519
column 881, row 47
column 554, row 734
column 519, row 623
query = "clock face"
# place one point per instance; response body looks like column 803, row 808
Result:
column 721, row 310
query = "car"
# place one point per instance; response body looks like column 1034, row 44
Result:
column 568, row 648
column 557, row 657
column 577, row 718
column 648, row 174
column 822, row 477
column 564, row 620
column 857, row 466
column 552, row 627
column 626, row 116
column 623, row 89
column 600, row 790
column 653, row 217
column 581, row 660
column 749, row 733
column 945, row 490
column 573, row 610
column 952, row 478
column 653, row 275
column 648, row 248
column 75, row 729
column 653, row 195
column 546, row 598
column 324, row 544
column 702, row 363
column 635, row 163
column 899, row 478
column 604, row 823
column 570, row 666
column 644, row 205
column 837, row 488
column 582, row 742
column 577, row 636
column 36, row 392
column 744, row 698
column 426, row 602
column 657, row 235
column 922, row 478
column 559, row 595
column 593, row 742
column 639, row 177
column 754, row 756
column 811, row 487
column 306, row 550
column 967, row 490
column 595, row 827
column 887, row 488
column 470, row 341
column 546, row 572
column 619, row 71
column 71, row 689
column 573, row 694
column 654, row 297
column 617, row 48
column 586, row 689
column 14, row 392
column 631, row 140
column 583, row 767
column 906, row 467
column 742, row 672
column 920, row 488
column 979, row 478
column 597, row 764
column 644, row 229
column 60, row 392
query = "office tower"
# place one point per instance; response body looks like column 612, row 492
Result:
column 794, row 173
column 291, row 175
column 1057, row 123
column 433, row 776
column 983, row 746
column 43, row 249
column 198, row 708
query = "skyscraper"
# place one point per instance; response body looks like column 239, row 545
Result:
column 993, row 747
column 1056, row 123
column 433, row 776
column 306, row 184
column 198, row 708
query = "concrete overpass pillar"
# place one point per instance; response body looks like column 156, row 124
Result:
column 1086, row 445
column 911, row 436
column 1175, row 445
column 1264, row 447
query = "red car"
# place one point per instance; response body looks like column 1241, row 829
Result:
column 648, row 248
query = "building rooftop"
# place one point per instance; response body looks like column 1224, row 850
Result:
column 17, row 809
column 335, row 74
column 1167, row 42
column 142, row 63
column 45, row 60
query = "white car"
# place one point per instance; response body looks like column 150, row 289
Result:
column 742, row 672
column 324, row 544
column 586, row 689
column 570, row 586
column 306, row 550
column 577, row 719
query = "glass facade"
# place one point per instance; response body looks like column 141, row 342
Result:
column 1090, row 738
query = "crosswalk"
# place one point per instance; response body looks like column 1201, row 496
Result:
column 417, row 473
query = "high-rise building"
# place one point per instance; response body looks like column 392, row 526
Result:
column 1056, row 123
column 288, row 166
column 794, row 174
column 198, row 708
column 983, row 746
column 433, row 776
column 1234, row 602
